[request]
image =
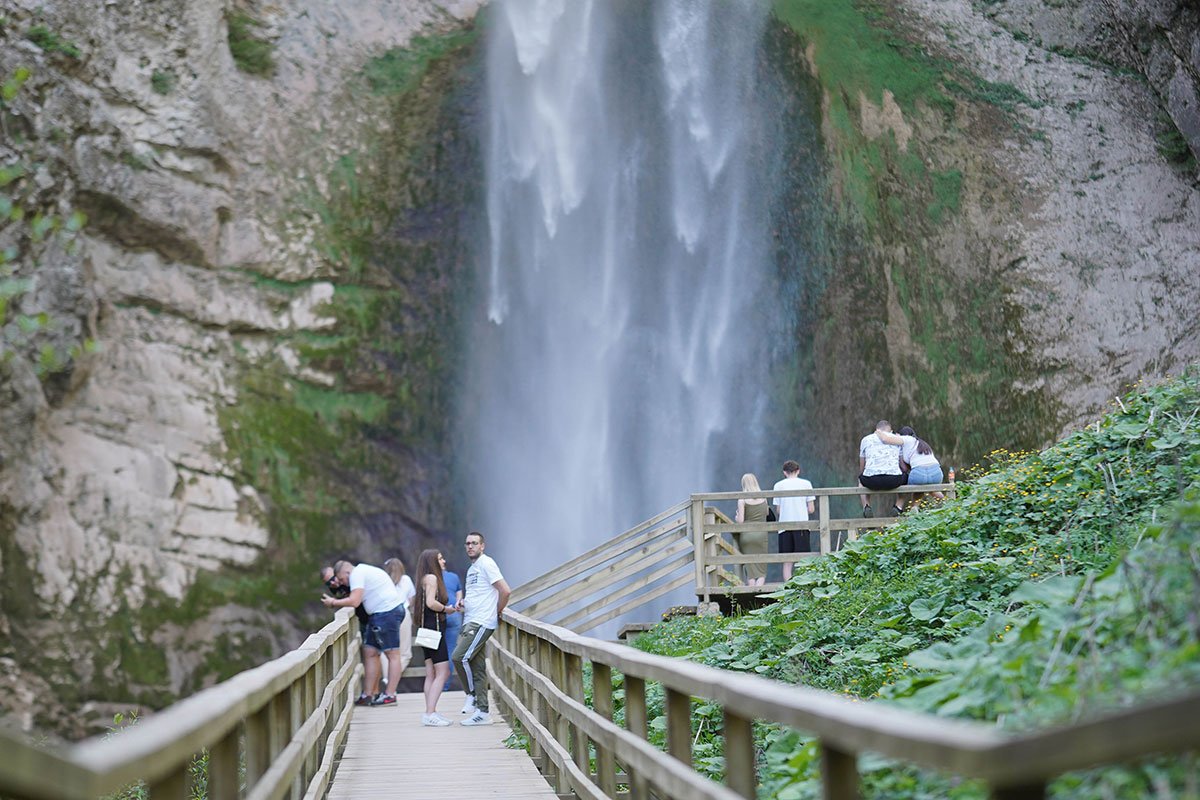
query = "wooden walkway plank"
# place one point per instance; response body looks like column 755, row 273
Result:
column 389, row 753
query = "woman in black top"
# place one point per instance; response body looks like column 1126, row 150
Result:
column 430, row 606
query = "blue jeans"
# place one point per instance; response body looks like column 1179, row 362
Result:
column 925, row 475
column 382, row 630
column 453, row 627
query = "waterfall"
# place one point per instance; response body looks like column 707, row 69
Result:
column 628, row 285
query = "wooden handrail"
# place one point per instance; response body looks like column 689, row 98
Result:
column 828, row 491
column 284, row 719
column 525, row 651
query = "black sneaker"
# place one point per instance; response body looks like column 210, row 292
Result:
column 384, row 700
column 868, row 511
column 898, row 510
column 363, row 700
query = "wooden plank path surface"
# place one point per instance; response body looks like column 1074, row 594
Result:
column 389, row 753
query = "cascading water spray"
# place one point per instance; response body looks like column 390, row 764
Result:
column 618, row 361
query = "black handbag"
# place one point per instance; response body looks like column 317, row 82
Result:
column 771, row 516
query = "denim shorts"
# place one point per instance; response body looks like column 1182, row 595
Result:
column 925, row 475
column 382, row 630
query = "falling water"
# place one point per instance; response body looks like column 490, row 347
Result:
column 629, row 290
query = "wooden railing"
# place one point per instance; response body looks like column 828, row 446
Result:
column 539, row 673
column 269, row 732
column 685, row 545
column 714, row 556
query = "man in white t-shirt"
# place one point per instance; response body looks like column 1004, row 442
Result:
column 793, row 509
column 484, row 600
column 372, row 588
column 879, row 466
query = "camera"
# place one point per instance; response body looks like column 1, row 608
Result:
column 335, row 590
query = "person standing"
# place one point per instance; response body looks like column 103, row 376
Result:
column 394, row 567
column 793, row 509
column 453, row 617
column 431, row 605
column 484, row 600
column 373, row 589
column 752, row 542
column 879, row 466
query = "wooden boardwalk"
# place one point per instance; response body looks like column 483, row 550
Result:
column 389, row 753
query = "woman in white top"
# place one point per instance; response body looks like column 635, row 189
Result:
column 394, row 567
column 923, row 466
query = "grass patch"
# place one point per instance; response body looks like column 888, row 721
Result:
column 163, row 81
column 251, row 53
column 51, row 42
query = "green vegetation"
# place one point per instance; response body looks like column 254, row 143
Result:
column 1172, row 145
column 251, row 54
column 197, row 771
column 400, row 70
column 1059, row 584
column 163, row 81
column 51, row 42
column 28, row 229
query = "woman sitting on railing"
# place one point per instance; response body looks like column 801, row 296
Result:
column 923, row 466
column 752, row 542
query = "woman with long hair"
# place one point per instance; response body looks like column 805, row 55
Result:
column 752, row 509
column 916, row 454
column 394, row 567
column 430, row 606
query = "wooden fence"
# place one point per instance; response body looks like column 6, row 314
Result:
column 274, row 730
column 686, row 545
column 539, row 673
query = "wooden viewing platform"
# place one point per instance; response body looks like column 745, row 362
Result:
column 289, row 727
column 389, row 753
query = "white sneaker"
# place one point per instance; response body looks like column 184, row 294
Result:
column 478, row 718
column 434, row 720
column 469, row 706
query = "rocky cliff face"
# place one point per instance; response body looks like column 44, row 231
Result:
column 242, row 361
column 220, row 152
column 1016, row 230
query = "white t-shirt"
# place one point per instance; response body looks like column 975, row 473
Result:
column 882, row 458
column 908, row 451
column 379, row 593
column 481, row 597
column 406, row 589
column 793, row 509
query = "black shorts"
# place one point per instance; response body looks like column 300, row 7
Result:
column 437, row 654
column 794, row 542
column 881, row 483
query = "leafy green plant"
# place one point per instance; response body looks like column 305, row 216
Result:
column 51, row 42
column 251, row 53
column 197, row 769
column 1057, row 584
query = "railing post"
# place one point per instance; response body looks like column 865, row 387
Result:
column 258, row 729
column 1029, row 791
column 223, row 768
column 171, row 787
column 679, row 726
column 602, row 700
column 533, row 699
column 696, row 523
column 573, row 683
column 635, row 721
column 839, row 774
column 740, row 772
column 823, row 515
